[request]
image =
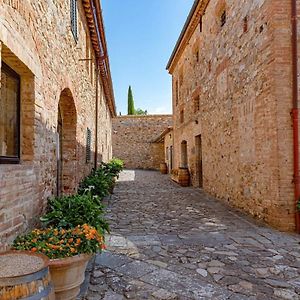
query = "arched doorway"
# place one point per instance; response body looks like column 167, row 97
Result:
column 184, row 154
column 66, row 144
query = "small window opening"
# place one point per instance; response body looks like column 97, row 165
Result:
column 181, row 116
column 176, row 93
column 245, row 24
column 223, row 18
column 209, row 66
column 201, row 24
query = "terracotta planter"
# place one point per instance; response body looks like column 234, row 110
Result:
column 67, row 275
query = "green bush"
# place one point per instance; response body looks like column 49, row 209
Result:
column 70, row 211
column 101, row 181
column 298, row 205
column 115, row 166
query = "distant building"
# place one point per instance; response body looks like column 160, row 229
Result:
column 233, row 82
column 56, row 104
column 136, row 142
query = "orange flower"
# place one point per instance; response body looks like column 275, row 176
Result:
column 78, row 241
column 71, row 240
column 33, row 249
column 103, row 246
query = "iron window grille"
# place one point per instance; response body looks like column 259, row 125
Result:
column 74, row 21
column 88, row 145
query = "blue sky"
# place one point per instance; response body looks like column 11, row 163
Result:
column 141, row 36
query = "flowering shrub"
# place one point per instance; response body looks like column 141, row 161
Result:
column 69, row 211
column 60, row 243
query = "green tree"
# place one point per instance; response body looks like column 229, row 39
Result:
column 131, row 110
column 139, row 111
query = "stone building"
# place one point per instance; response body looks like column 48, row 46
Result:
column 56, row 104
column 234, row 76
column 136, row 140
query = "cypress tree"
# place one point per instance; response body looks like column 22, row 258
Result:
column 131, row 110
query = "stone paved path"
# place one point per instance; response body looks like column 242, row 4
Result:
column 169, row 242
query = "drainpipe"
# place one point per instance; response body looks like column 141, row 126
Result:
column 96, row 118
column 295, row 111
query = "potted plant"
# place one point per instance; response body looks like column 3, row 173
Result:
column 69, row 251
column 69, row 211
column 102, row 179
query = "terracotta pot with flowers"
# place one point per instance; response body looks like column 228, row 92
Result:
column 69, row 251
column 74, row 229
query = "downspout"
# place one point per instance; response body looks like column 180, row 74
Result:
column 295, row 111
column 96, row 118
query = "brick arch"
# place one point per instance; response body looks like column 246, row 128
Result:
column 67, row 150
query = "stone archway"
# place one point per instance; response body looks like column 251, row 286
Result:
column 66, row 144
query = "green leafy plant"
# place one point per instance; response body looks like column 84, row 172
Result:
column 102, row 180
column 298, row 205
column 70, row 211
column 60, row 243
column 98, row 181
column 114, row 167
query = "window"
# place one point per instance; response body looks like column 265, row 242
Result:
column 209, row 66
column 88, row 145
column 196, row 104
column 201, row 24
column 181, row 116
column 245, row 27
column 181, row 77
column 223, row 18
column 176, row 93
column 196, row 56
column 9, row 116
column 73, row 11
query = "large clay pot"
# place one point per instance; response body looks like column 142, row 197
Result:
column 163, row 168
column 25, row 281
column 67, row 275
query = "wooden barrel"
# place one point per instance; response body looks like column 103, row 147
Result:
column 25, row 275
column 184, row 177
column 163, row 168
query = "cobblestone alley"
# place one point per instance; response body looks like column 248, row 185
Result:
column 169, row 242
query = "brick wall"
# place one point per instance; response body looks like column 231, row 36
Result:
column 241, row 73
column 36, row 41
column 133, row 138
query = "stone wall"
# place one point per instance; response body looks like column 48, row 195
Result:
column 133, row 140
column 36, row 42
column 232, row 90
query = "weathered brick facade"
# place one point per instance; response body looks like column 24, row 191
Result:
column 58, row 93
column 232, row 99
column 135, row 140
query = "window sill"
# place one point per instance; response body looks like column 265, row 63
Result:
column 9, row 160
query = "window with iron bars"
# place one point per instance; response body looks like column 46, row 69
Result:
column 74, row 21
column 88, row 145
column 196, row 104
